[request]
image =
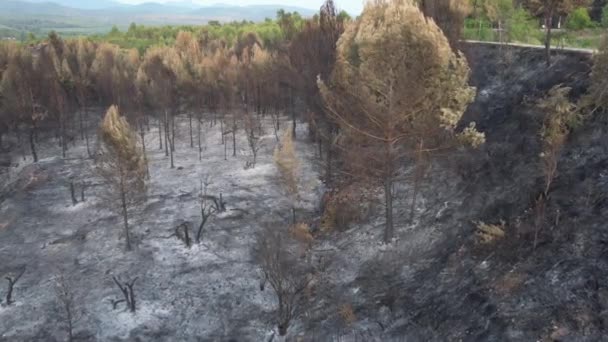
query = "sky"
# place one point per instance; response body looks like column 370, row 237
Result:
column 353, row 7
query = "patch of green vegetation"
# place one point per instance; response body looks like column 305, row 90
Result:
column 479, row 29
column 523, row 28
column 20, row 26
column 522, row 32
column 579, row 20
column 585, row 39
column 142, row 37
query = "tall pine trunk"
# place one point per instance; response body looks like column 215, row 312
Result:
column 125, row 213
column 142, row 134
column 166, row 126
column 388, row 191
column 160, row 136
column 172, row 132
column 80, row 119
column 33, row 144
column 200, row 148
column 388, row 198
column 233, row 135
column 329, row 157
column 62, row 138
column 222, row 131
column 548, row 28
column 293, row 111
column 171, row 140
column 85, row 127
column 418, row 174
column 191, row 136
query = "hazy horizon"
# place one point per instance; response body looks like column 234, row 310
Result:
column 352, row 6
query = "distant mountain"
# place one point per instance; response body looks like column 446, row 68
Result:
column 15, row 8
column 96, row 16
column 173, row 12
column 149, row 8
column 186, row 3
column 83, row 4
column 224, row 12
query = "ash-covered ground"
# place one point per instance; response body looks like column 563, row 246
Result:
column 436, row 282
column 210, row 291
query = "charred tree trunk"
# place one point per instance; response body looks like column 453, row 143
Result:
column 160, row 136
column 142, row 134
column 200, row 147
column 172, row 132
column 418, row 174
column 233, row 135
column 166, row 126
column 539, row 217
column 222, row 130
column 548, row 28
column 284, row 317
column 73, row 193
column 125, row 215
column 225, row 151
column 190, row 123
column 293, row 112
column 201, row 227
column 127, row 292
column 64, row 146
column 259, row 99
column 69, row 322
column 172, row 141
column 11, row 286
column 329, row 157
column 85, row 127
column 388, row 198
column 33, row 144
column 81, row 123
column 184, row 234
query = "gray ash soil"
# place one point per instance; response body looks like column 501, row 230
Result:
column 210, row 291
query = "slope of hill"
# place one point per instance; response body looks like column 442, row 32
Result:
column 440, row 280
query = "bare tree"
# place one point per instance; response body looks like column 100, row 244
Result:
column 69, row 313
column 122, row 166
column 12, row 280
column 251, row 125
column 128, row 293
column 288, row 277
column 208, row 205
